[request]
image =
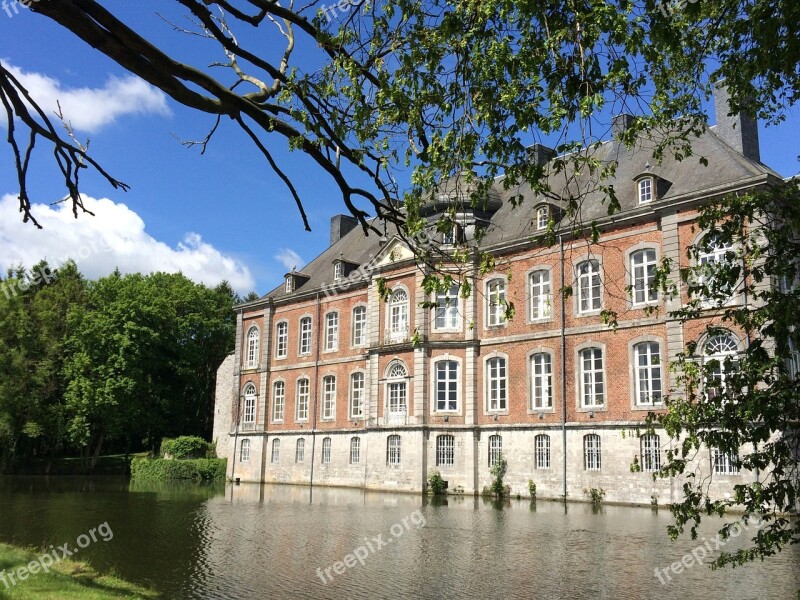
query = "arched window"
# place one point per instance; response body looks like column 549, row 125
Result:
column 589, row 286
column 495, row 449
column 591, row 452
column 714, row 263
column 397, row 390
column 278, row 400
column 398, row 316
column 281, row 339
column 445, row 450
column 300, row 451
column 496, row 384
column 326, row 451
column 357, row 395
column 651, row 452
column 393, row 450
column 542, row 217
column 249, row 412
column 251, row 357
column 643, row 276
column 718, row 349
column 645, row 190
column 541, row 444
column 244, row 451
column 276, row 451
column 355, row 450
column 647, row 357
column 496, row 302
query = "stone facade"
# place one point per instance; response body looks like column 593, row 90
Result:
column 330, row 385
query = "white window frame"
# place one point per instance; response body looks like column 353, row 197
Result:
column 397, row 315
column 326, row 451
column 645, row 189
column 304, row 337
column 650, row 452
column 289, row 285
column 359, row 326
column 300, row 450
column 281, row 339
column 278, row 401
column 332, row 331
column 591, row 377
column 329, row 397
column 542, row 217
column 648, row 373
column 541, row 377
column 393, row 449
column 592, row 452
column 275, row 455
column 338, row 269
column 447, row 316
column 302, row 399
column 590, row 286
column 496, row 388
column 495, row 443
column 540, row 295
column 709, row 261
column 720, row 355
column 252, row 347
column 541, row 445
column 355, row 450
column 643, row 264
column 249, row 401
column 448, row 382
column 357, row 394
column 244, row 451
column 723, row 463
column 496, row 302
column 445, row 450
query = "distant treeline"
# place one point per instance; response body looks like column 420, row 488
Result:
column 112, row 365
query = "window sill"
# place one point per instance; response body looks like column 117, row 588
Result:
column 588, row 409
column 550, row 410
column 589, row 313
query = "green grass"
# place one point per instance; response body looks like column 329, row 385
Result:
column 66, row 580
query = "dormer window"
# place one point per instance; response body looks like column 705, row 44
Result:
column 645, row 190
column 449, row 237
column 542, row 217
column 289, row 284
column 338, row 270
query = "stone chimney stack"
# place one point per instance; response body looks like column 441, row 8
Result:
column 341, row 225
column 620, row 124
column 740, row 132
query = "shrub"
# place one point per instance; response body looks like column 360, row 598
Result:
column 532, row 489
column 595, row 495
column 186, row 446
column 158, row 469
column 498, row 471
column 436, row 485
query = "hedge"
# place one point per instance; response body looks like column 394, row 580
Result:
column 186, row 446
column 159, row 469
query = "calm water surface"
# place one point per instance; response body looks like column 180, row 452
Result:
column 251, row 541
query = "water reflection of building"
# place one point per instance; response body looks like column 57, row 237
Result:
column 327, row 386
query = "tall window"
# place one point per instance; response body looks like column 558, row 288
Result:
column 541, row 445
column 276, row 451
column 542, row 217
column 328, row 397
column 645, row 190
column 713, row 264
column 249, row 413
column 338, row 269
column 303, row 389
column 305, row 335
column 589, row 286
column 398, row 315
column 393, row 450
column 651, row 452
column 326, row 451
column 300, row 451
column 541, row 380
column 591, row 374
column 496, row 302
column 332, row 331
column 355, row 450
column 278, row 400
column 447, row 316
column 397, row 390
column 724, row 463
column 496, row 384
column 648, row 373
column 792, row 360
column 445, row 450
column 591, row 452
column 446, row 385
column 357, row 395
column 289, row 286
column 252, row 347
column 244, row 451
column 359, row 325
column 719, row 348
column 541, row 298
column 281, row 339
column 643, row 271
column 495, row 449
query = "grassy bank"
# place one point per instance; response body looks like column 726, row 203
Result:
column 159, row 469
column 64, row 580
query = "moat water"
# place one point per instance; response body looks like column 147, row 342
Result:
column 271, row 541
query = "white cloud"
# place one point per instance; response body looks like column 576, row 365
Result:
column 114, row 238
column 289, row 258
column 89, row 109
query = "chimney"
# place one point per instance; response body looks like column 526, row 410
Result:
column 341, row 225
column 620, row 124
column 740, row 132
column 540, row 154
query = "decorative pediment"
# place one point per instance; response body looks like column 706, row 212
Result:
column 396, row 250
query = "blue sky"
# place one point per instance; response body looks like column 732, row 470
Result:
column 221, row 215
